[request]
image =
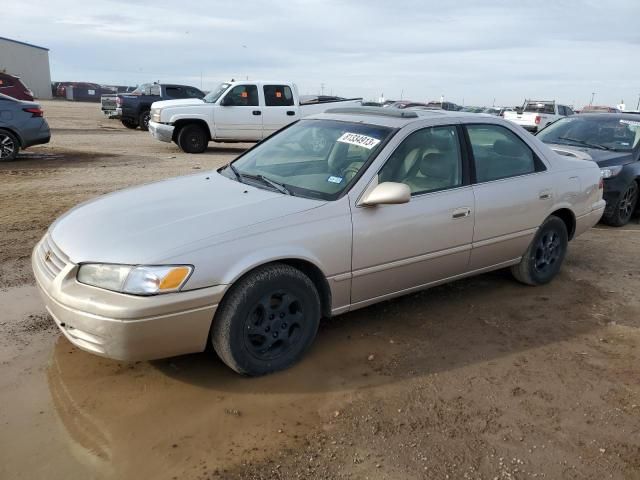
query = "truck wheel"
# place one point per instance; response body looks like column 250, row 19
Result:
column 9, row 146
column 625, row 207
column 267, row 320
column 193, row 138
column 129, row 123
column 543, row 259
column 143, row 120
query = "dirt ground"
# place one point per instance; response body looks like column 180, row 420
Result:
column 480, row 379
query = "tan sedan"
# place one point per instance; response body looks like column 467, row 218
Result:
column 334, row 213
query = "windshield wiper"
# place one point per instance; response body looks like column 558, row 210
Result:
column 586, row 144
column 235, row 172
column 277, row 185
column 261, row 178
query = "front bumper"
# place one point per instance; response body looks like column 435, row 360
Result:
column 161, row 131
column 120, row 326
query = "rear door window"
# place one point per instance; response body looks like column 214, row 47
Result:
column 278, row 96
column 500, row 153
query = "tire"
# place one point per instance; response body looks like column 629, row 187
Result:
column 543, row 259
column 129, row 123
column 193, row 138
column 267, row 320
column 625, row 207
column 9, row 146
column 143, row 120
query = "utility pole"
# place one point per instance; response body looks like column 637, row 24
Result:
column 638, row 106
column 322, row 89
column 593, row 94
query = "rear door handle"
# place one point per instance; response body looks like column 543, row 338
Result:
column 291, row 113
column 461, row 212
column 257, row 112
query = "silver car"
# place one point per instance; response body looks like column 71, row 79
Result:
column 331, row 214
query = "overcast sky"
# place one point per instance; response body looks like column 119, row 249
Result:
column 468, row 51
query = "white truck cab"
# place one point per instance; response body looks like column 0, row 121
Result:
column 534, row 115
column 244, row 111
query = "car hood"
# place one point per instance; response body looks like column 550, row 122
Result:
column 142, row 224
column 182, row 102
column 604, row 158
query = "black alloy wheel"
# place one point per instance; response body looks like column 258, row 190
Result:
column 9, row 146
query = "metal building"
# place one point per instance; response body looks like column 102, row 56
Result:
column 29, row 62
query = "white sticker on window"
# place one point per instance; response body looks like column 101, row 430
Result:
column 359, row 140
column 333, row 179
column 632, row 123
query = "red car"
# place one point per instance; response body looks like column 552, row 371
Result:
column 13, row 87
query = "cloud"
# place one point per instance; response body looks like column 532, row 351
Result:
column 471, row 50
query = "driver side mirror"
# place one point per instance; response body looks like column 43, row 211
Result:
column 387, row 193
column 226, row 101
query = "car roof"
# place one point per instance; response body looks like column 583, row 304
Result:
column 393, row 117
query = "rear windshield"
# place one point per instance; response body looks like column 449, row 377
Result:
column 539, row 107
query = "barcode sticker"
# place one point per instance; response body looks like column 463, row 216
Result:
column 359, row 140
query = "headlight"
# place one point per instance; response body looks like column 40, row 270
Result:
column 141, row 280
column 155, row 114
column 609, row 172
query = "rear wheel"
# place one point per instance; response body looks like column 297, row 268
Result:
column 624, row 208
column 9, row 146
column 144, row 119
column 193, row 138
column 129, row 123
column 267, row 320
column 543, row 259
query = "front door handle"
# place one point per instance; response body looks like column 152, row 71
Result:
column 257, row 112
column 545, row 195
column 461, row 212
column 291, row 113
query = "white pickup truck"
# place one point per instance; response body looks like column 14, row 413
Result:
column 534, row 115
column 233, row 112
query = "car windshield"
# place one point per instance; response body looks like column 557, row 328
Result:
column 214, row 95
column 312, row 158
column 604, row 132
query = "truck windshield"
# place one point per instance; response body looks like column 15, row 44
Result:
column 214, row 95
column 598, row 131
column 312, row 158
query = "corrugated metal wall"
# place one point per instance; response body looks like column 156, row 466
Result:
column 29, row 63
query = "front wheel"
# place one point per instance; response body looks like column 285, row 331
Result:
column 543, row 259
column 624, row 209
column 267, row 320
column 9, row 146
column 193, row 139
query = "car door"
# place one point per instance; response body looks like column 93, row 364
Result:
column 397, row 248
column 239, row 116
column 279, row 109
column 513, row 194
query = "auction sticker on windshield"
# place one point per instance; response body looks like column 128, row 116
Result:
column 359, row 140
